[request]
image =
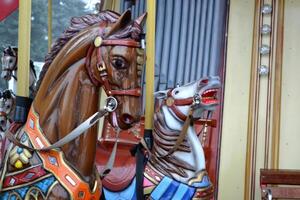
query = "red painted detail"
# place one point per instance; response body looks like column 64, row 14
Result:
column 24, row 177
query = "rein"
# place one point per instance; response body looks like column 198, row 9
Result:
column 111, row 105
column 172, row 104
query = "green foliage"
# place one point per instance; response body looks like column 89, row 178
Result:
column 62, row 12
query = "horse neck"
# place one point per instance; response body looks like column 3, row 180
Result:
column 63, row 103
column 12, row 83
column 195, row 157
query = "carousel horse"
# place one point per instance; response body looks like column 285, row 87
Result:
column 7, row 102
column 10, row 66
column 7, row 106
column 176, row 164
column 46, row 160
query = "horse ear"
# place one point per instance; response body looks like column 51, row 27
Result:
column 141, row 19
column 161, row 94
column 122, row 22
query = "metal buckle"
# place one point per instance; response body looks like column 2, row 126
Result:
column 196, row 100
column 111, row 104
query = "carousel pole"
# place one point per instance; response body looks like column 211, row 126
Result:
column 149, row 105
column 22, row 101
column 150, row 66
column 49, row 24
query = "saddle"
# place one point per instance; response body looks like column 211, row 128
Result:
column 123, row 171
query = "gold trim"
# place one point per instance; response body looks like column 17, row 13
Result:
column 28, row 194
column 253, row 107
column 198, row 178
column 51, row 188
column 277, row 85
column 23, row 170
column 269, row 90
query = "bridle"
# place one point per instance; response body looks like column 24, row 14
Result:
column 101, row 67
column 173, row 103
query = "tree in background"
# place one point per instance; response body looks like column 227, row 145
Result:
column 62, row 12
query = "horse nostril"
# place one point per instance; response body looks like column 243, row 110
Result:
column 127, row 118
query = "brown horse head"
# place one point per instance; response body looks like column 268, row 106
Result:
column 97, row 50
column 115, row 62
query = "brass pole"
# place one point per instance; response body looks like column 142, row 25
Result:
column 150, row 63
column 24, row 48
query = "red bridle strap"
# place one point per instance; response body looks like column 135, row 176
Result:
column 172, row 103
column 128, row 43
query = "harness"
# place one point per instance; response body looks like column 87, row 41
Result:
column 53, row 158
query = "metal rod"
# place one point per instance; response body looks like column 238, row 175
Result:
column 150, row 63
column 24, row 48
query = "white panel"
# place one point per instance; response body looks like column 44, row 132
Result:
column 290, row 105
column 234, row 133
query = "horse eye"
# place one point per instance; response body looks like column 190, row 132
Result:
column 119, row 63
column 176, row 92
column 10, row 61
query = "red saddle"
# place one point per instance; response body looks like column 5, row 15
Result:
column 124, row 167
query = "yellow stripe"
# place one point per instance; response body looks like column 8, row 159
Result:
column 24, row 48
column 150, row 63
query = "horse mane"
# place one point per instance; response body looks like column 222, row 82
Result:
column 164, row 140
column 78, row 24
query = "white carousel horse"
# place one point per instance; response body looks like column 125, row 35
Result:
column 177, row 171
column 7, row 102
column 10, row 67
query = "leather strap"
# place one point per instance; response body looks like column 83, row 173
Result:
column 130, row 92
column 110, row 163
column 128, row 43
column 79, row 130
column 182, row 134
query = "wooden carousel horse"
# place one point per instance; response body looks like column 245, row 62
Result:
column 176, row 164
column 7, row 106
column 7, row 102
column 10, row 66
column 46, row 160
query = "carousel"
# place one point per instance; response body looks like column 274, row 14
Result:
column 131, row 103
column 51, row 148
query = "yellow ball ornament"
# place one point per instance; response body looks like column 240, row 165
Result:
column 18, row 164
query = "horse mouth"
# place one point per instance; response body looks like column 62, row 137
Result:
column 210, row 97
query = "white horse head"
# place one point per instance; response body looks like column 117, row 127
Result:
column 9, row 62
column 10, row 66
column 175, row 105
column 7, row 105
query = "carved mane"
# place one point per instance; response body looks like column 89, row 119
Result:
column 79, row 23
column 164, row 140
